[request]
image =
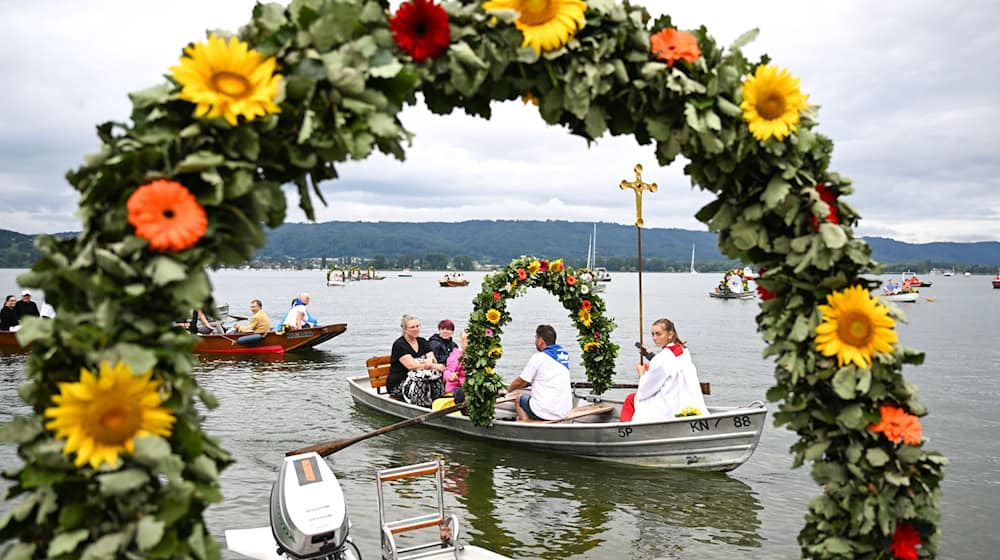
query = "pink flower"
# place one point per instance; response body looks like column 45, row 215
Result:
column 488, row 331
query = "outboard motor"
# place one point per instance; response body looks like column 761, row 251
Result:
column 308, row 511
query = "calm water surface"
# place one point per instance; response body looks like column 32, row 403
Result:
column 531, row 505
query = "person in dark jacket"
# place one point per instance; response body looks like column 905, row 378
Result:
column 8, row 317
column 442, row 342
column 26, row 307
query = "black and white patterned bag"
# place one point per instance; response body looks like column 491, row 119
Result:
column 422, row 386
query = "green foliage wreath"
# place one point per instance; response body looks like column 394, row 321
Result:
column 489, row 315
column 190, row 182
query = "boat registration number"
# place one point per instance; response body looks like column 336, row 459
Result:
column 700, row 425
column 298, row 334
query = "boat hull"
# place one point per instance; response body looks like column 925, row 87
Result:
column 719, row 441
column 901, row 298
column 272, row 342
column 9, row 343
column 732, row 295
column 453, row 283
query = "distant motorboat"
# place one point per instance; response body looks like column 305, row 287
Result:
column 949, row 273
column 996, row 281
column 405, row 273
column 916, row 282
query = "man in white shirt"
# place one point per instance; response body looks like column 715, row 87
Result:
column 547, row 373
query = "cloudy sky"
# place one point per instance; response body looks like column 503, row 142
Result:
column 908, row 92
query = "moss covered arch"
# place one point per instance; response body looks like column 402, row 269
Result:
column 489, row 316
column 331, row 79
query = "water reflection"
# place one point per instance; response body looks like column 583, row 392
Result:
column 527, row 504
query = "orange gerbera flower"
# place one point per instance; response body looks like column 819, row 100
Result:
column 571, row 280
column 671, row 45
column 556, row 266
column 586, row 304
column 167, row 215
column 898, row 425
column 522, row 274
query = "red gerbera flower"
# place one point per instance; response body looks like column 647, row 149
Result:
column 167, row 215
column 420, row 28
column 905, row 541
column 496, row 296
column 827, row 196
column 586, row 304
column 521, row 274
column 764, row 293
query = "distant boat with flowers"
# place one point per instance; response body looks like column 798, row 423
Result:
column 453, row 280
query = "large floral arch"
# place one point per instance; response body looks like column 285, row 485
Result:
column 115, row 459
column 489, row 315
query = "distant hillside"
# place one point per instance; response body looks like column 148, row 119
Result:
column 17, row 250
column 500, row 241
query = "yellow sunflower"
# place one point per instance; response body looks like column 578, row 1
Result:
column 495, row 352
column 546, row 24
column 534, row 267
column 584, row 316
column 854, row 327
column 227, row 80
column 588, row 346
column 100, row 416
column 771, row 103
column 493, row 316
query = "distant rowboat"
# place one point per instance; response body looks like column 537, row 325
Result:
column 237, row 343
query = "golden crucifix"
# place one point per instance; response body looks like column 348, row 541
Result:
column 638, row 186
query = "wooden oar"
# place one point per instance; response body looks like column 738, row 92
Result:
column 928, row 298
column 330, row 447
column 706, row 387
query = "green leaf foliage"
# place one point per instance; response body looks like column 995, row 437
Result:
column 344, row 83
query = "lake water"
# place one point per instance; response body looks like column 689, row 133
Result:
column 531, row 505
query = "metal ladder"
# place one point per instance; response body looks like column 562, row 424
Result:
column 438, row 548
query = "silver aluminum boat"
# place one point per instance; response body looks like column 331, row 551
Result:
column 719, row 441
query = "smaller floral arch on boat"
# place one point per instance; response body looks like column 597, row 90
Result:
column 489, row 315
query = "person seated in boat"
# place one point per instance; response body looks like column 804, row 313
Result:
column 298, row 316
column 443, row 342
column 409, row 352
column 907, row 286
column 454, row 371
column 8, row 317
column 26, row 307
column 547, row 373
column 891, row 287
column 259, row 323
column 668, row 383
column 200, row 324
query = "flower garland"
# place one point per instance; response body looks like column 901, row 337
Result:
column 489, row 315
column 216, row 173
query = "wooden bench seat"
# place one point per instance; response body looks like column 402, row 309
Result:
column 378, row 372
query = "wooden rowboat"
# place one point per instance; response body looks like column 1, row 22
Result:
column 721, row 440
column 272, row 342
column 901, row 297
column 237, row 343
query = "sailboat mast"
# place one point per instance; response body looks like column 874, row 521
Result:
column 595, row 246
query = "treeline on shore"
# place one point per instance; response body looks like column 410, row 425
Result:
column 484, row 243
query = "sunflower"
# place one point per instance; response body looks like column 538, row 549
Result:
column 771, row 103
column 420, row 27
column 688, row 411
column 100, row 416
column 493, row 316
column 534, row 267
column 584, row 316
column 854, row 327
column 898, row 425
column 227, row 80
column 167, row 215
column 495, row 352
column 546, row 24
column 557, row 266
column 588, row 346
column 671, row 45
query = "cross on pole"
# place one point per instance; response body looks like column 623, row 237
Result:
column 638, row 186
